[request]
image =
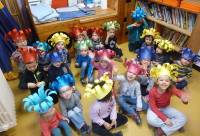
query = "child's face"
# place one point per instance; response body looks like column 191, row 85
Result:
column 49, row 114
column 57, row 64
column 42, row 53
column 21, row 43
column 111, row 32
column 104, row 63
column 145, row 62
column 130, row 76
column 46, row 68
column 163, row 82
column 32, row 66
column 159, row 51
column 60, row 46
column 65, row 92
column 95, row 37
column 148, row 40
column 185, row 62
column 80, row 37
column 84, row 52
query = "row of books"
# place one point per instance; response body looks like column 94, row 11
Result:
column 178, row 17
column 178, row 39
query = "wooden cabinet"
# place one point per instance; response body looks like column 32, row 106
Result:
column 114, row 12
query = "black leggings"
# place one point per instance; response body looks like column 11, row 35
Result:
column 102, row 131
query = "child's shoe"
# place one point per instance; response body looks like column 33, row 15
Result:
column 118, row 134
column 85, row 130
column 136, row 118
column 159, row 132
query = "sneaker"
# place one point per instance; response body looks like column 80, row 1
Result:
column 136, row 118
column 85, row 130
column 159, row 132
column 181, row 129
column 118, row 133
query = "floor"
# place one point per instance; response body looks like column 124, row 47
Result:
column 27, row 124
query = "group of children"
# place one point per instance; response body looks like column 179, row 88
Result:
column 148, row 83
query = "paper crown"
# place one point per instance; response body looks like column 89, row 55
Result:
column 61, row 81
column 145, row 53
column 138, row 14
column 164, row 70
column 39, row 102
column 55, row 57
column 150, row 32
column 43, row 46
column 57, row 37
column 18, row 35
column 77, row 30
column 97, row 30
column 165, row 45
column 100, row 88
column 134, row 68
column 29, row 54
column 187, row 54
column 84, row 45
column 111, row 25
column 105, row 54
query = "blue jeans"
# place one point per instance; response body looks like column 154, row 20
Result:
column 64, row 126
column 128, row 104
column 178, row 119
column 76, row 117
column 182, row 84
column 86, row 71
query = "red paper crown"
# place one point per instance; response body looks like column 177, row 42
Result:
column 105, row 54
column 29, row 54
column 97, row 30
column 76, row 31
column 18, row 35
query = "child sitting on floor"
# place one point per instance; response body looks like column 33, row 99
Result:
column 103, row 111
column 111, row 39
column 161, row 115
column 69, row 100
column 130, row 98
column 51, row 121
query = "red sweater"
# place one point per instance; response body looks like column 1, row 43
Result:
column 47, row 125
column 161, row 100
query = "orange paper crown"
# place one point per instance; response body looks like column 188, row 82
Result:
column 76, row 31
column 18, row 35
column 29, row 54
column 97, row 30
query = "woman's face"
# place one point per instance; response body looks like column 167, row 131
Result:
column 163, row 82
column 65, row 92
column 60, row 46
column 130, row 76
column 95, row 37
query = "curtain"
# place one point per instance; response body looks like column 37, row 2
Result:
column 7, row 23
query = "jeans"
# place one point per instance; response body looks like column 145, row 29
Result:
column 86, row 70
column 76, row 117
column 102, row 131
column 178, row 119
column 128, row 104
column 182, row 84
column 64, row 126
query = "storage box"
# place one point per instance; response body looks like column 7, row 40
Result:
column 191, row 5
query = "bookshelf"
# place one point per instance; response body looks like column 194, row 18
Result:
column 176, row 18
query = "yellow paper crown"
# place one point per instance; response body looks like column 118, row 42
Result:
column 59, row 37
column 1, row 5
column 100, row 88
column 151, row 32
column 164, row 45
column 164, row 70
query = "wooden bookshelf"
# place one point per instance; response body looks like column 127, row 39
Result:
column 171, row 26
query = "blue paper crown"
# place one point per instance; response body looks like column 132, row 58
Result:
column 145, row 53
column 42, row 46
column 138, row 14
column 61, row 81
column 55, row 57
column 187, row 54
column 39, row 102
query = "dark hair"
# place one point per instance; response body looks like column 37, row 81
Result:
column 106, row 98
column 149, row 36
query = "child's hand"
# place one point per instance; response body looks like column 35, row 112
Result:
column 185, row 98
column 169, row 123
column 32, row 85
column 114, row 123
column 39, row 84
column 107, row 125
column 65, row 119
column 139, row 109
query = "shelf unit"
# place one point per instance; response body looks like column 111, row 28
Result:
column 193, row 41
